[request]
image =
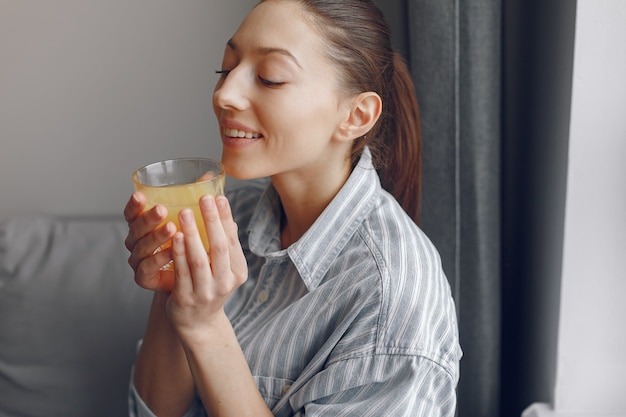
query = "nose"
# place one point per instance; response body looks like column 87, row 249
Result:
column 230, row 91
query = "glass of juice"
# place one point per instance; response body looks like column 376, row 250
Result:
column 178, row 184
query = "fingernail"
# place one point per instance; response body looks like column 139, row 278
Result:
column 169, row 228
column 221, row 202
column 208, row 201
column 187, row 216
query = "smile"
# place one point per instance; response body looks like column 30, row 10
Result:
column 236, row 133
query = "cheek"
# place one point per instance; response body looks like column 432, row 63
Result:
column 305, row 113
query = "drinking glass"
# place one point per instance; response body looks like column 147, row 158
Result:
column 178, row 184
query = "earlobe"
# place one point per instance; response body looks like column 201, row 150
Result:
column 365, row 109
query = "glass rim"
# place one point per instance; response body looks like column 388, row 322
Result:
column 216, row 162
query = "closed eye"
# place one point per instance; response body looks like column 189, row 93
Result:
column 270, row 84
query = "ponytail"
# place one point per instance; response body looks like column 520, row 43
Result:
column 400, row 131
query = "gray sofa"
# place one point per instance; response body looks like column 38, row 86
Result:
column 70, row 317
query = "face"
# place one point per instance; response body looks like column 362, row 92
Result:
column 277, row 100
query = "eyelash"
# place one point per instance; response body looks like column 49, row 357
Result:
column 270, row 84
column 266, row 83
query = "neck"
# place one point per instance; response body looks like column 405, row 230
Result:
column 304, row 198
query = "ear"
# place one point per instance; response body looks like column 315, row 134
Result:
column 364, row 111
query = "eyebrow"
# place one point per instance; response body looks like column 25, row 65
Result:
column 268, row 50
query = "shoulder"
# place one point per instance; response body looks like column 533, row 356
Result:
column 417, row 312
column 402, row 246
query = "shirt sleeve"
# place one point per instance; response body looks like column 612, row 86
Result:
column 137, row 408
column 383, row 385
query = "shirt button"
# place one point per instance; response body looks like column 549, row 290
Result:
column 286, row 388
column 263, row 296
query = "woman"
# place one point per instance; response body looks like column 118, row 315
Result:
column 322, row 297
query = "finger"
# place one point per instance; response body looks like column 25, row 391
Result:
column 238, row 263
column 219, row 249
column 158, row 256
column 149, row 275
column 144, row 224
column 183, row 281
column 151, row 244
column 134, row 207
column 196, row 256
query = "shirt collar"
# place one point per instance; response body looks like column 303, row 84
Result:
column 315, row 251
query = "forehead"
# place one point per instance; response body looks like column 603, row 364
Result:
column 281, row 24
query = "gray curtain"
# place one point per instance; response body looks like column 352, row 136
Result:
column 493, row 79
column 455, row 56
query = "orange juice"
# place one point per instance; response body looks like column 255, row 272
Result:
column 178, row 194
column 178, row 184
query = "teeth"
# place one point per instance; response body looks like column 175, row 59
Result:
column 236, row 133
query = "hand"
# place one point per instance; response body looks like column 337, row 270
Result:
column 144, row 241
column 201, row 286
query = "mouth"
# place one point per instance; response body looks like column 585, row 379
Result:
column 240, row 134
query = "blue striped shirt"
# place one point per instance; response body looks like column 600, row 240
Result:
column 354, row 319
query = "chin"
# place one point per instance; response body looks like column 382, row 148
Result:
column 240, row 170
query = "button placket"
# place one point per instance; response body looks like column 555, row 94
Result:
column 267, row 271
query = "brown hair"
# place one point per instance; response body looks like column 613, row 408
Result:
column 359, row 44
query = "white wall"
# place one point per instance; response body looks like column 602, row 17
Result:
column 591, row 360
column 90, row 90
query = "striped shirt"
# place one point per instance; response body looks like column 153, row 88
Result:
column 354, row 319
